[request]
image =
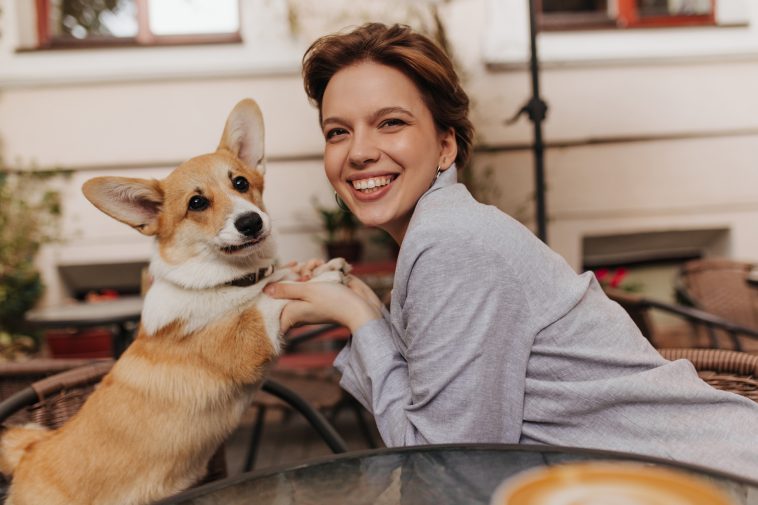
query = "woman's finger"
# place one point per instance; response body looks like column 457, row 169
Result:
column 307, row 270
column 291, row 291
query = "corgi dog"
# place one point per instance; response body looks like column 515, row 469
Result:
column 207, row 336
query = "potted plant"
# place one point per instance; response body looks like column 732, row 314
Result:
column 29, row 215
column 341, row 228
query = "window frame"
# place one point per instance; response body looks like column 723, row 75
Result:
column 144, row 37
column 627, row 17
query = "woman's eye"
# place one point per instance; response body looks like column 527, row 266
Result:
column 240, row 184
column 334, row 132
column 392, row 122
column 198, row 203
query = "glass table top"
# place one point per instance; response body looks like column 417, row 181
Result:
column 433, row 475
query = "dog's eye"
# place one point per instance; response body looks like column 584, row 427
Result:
column 198, row 203
column 240, row 184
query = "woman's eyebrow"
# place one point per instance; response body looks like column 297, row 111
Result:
column 332, row 119
column 374, row 116
column 390, row 110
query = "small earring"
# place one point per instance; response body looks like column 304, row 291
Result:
column 439, row 171
column 341, row 203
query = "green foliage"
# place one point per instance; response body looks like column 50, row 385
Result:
column 29, row 214
column 79, row 17
column 339, row 225
column 19, row 291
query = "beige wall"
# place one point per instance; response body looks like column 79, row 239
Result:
column 640, row 143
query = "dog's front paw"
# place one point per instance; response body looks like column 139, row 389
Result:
column 334, row 270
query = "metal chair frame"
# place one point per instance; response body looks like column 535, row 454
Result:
column 295, row 378
column 638, row 307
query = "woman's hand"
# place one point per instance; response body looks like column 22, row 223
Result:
column 305, row 269
column 364, row 291
column 326, row 302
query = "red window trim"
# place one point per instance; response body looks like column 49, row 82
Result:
column 628, row 17
column 143, row 38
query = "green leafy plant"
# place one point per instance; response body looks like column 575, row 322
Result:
column 341, row 228
column 339, row 225
column 29, row 214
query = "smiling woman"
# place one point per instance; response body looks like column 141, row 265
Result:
column 490, row 336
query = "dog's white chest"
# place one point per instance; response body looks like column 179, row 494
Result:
column 167, row 303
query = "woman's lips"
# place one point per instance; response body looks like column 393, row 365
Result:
column 372, row 188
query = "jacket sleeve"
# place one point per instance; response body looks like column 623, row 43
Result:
column 460, row 319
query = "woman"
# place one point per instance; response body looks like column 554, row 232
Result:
column 491, row 336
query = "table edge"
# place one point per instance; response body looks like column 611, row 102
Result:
column 524, row 448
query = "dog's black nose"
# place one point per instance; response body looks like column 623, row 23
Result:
column 249, row 224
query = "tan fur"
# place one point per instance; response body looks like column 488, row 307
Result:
column 154, row 421
column 136, row 438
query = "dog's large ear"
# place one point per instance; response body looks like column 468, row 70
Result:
column 243, row 134
column 135, row 202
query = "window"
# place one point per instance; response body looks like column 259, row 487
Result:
column 579, row 14
column 91, row 23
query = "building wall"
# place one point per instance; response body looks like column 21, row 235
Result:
column 653, row 130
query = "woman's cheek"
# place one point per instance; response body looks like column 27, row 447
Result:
column 332, row 166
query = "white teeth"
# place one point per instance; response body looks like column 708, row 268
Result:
column 372, row 182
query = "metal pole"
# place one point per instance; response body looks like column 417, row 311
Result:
column 537, row 114
column 536, row 109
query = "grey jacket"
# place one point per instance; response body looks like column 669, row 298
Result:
column 492, row 337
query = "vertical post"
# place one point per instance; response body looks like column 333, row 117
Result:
column 537, row 110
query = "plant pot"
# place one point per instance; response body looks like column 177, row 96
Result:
column 350, row 250
column 85, row 343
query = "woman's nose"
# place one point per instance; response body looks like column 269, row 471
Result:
column 363, row 150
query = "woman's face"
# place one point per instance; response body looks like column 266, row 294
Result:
column 382, row 146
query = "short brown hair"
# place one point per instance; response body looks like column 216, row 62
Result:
column 415, row 55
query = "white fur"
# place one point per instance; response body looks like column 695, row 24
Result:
column 208, row 269
column 167, row 302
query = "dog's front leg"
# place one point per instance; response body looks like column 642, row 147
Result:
column 334, row 270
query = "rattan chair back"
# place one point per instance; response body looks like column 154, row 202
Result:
column 61, row 387
column 721, row 287
column 732, row 371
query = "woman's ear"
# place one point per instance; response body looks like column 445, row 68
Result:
column 448, row 149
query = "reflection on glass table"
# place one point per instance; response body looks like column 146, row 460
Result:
column 428, row 475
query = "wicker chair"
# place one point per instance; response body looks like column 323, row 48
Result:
column 732, row 371
column 721, row 287
column 15, row 376
column 707, row 330
column 51, row 401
